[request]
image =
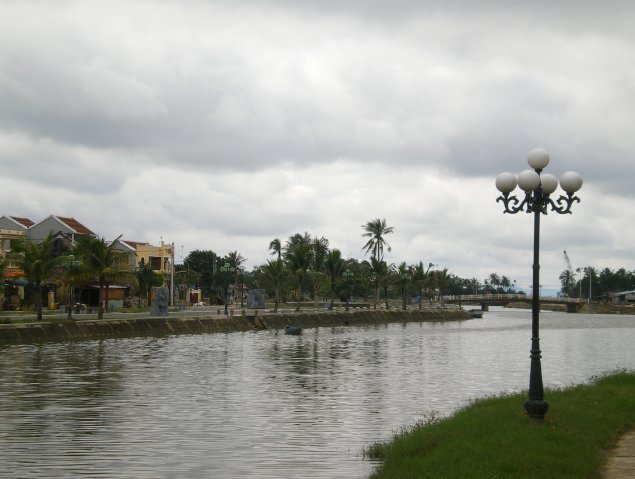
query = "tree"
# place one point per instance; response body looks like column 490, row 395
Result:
column 38, row 262
column 276, row 247
column 494, row 281
column 205, row 264
column 420, row 278
column 442, row 281
column 235, row 260
column 375, row 230
column 101, row 261
column 298, row 257
column 404, row 277
column 274, row 272
column 319, row 250
column 376, row 270
column 334, row 266
column 147, row 278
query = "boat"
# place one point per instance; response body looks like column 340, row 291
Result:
column 475, row 313
column 292, row 330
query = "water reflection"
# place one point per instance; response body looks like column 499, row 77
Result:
column 266, row 404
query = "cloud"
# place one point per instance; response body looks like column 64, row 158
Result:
column 225, row 124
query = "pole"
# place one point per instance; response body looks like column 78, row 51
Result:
column 172, row 278
column 536, row 406
column 70, row 298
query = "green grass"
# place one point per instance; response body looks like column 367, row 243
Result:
column 493, row 438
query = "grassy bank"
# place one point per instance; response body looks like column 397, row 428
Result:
column 492, row 438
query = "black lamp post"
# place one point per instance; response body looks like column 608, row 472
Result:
column 537, row 187
column 226, row 268
column 72, row 265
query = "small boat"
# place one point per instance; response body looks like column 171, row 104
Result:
column 292, row 330
column 475, row 313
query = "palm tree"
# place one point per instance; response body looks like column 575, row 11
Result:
column 377, row 270
column 495, row 281
column 404, row 277
column 442, row 280
column 235, row 260
column 101, row 261
column 320, row 248
column 274, row 271
column 299, row 257
column 334, row 266
column 276, row 247
column 375, row 230
column 386, row 278
column 38, row 263
column 420, row 278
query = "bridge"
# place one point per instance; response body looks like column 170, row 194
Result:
column 573, row 305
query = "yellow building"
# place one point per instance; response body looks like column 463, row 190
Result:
column 12, row 286
column 158, row 257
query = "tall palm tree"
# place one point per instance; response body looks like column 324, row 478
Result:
column 334, row 267
column 298, row 258
column 420, row 278
column 38, row 262
column 274, row 272
column 101, row 261
column 442, row 280
column 376, row 230
column 276, row 247
column 320, row 248
column 376, row 270
column 404, row 278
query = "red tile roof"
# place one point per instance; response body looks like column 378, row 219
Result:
column 23, row 221
column 76, row 225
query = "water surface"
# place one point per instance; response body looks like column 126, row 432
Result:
column 266, row 405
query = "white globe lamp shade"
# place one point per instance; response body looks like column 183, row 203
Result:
column 570, row 181
column 549, row 183
column 538, row 158
column 506, row 182
column 528, row 180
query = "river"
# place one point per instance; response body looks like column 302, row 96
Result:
column 267, row 405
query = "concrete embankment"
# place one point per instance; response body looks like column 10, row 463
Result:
column 62, row 330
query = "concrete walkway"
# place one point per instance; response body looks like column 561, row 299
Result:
column 621, row 465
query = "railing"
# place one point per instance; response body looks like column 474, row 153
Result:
column 510, row 296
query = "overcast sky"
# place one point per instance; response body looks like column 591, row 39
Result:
column 224, row 124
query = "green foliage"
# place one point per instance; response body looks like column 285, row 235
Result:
column 38, row 262
column 376, row 230
column 101, row 261
column 494, row 438
column 204, row 264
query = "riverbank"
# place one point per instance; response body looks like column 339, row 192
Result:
column 207, row 322
column 494, row 438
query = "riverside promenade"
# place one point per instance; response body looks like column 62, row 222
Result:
column 210, row 321
column 621, row 464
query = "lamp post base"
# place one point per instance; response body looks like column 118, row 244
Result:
column 536, row 408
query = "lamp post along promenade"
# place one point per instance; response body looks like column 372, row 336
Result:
column 538, row 188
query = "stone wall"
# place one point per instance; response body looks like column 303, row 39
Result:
column 62, row 330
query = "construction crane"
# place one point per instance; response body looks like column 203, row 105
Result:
column 569, row 272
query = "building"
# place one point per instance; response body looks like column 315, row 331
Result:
column 13, row 281
column 625, row 297
column 69, row 230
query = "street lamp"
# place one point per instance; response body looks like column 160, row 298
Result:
column 348, row 274
column 537, row 187
column 72, row 265
column 226, row 268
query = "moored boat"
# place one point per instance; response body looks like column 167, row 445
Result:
column 292, row 330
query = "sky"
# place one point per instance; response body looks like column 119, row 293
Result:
column 223, row 124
